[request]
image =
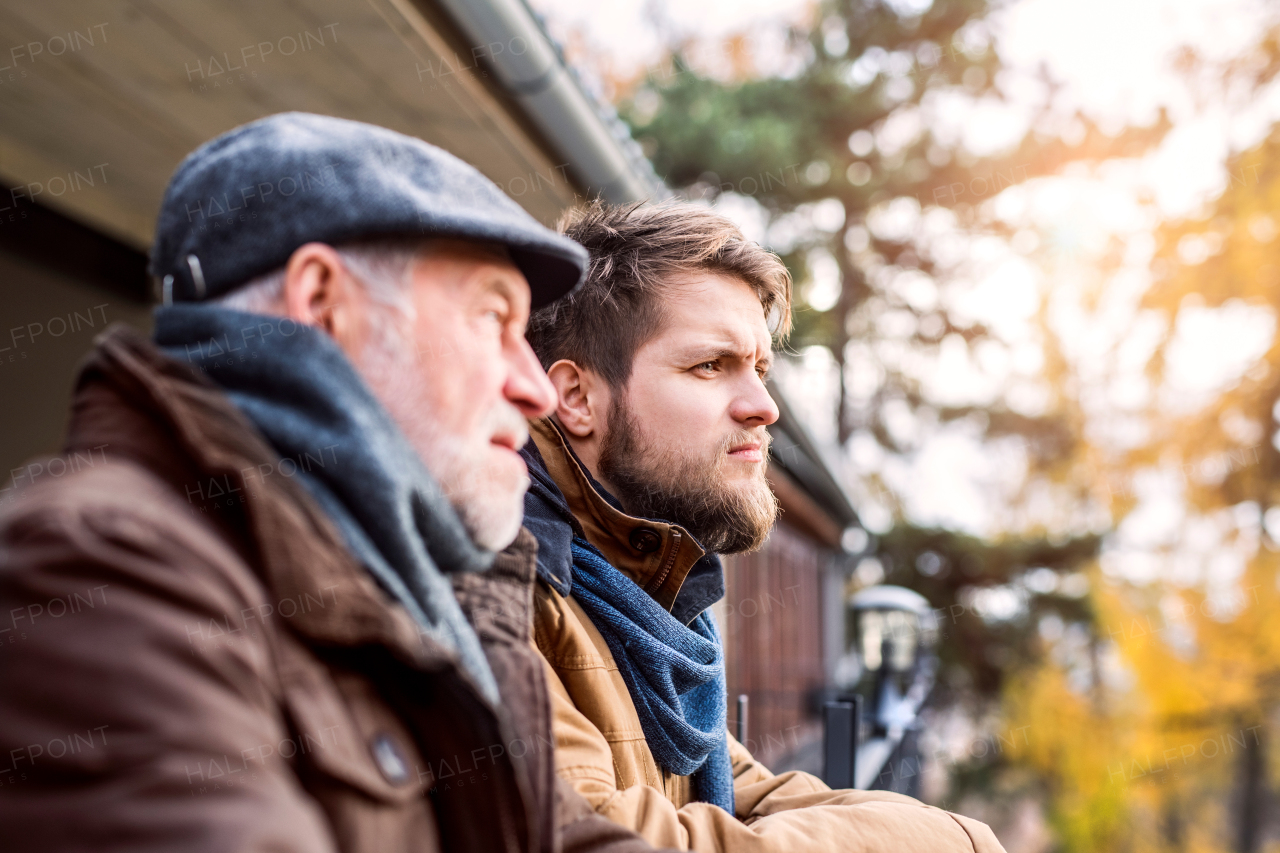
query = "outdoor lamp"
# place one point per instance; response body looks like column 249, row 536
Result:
column 893, row 628
column 892, row 625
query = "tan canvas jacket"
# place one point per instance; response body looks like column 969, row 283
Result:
column 601, row 748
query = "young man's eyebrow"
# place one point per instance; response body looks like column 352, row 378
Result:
column 707, row 352
column 714, row 352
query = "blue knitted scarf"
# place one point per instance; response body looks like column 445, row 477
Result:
column 301, row 392
column 675, row 674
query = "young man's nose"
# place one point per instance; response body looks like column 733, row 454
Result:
column 528, row 387
column 754, row 406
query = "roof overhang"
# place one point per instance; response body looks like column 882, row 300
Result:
column 100, row 102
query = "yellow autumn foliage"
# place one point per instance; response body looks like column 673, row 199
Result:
column 1159, row 742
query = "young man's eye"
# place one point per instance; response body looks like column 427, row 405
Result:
column 708, row 367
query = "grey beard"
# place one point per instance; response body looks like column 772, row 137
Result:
column 389, row 364
column 665, row 485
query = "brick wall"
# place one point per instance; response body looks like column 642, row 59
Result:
column 772, row 623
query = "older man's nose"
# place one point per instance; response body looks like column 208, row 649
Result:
column 528, row 387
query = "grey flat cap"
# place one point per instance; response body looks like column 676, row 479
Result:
column 239, row 205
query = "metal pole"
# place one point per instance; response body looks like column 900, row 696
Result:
column 855, row 740
column 839, row 741
column 742, row 718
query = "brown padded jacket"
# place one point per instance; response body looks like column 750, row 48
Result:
column 191, row 660
column 601, row 748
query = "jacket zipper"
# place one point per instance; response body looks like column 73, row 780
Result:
column 657, row 582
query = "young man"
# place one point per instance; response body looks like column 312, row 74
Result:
column 652, row 464
column 236, row 613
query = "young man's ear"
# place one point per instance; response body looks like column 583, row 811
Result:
column 582, row 398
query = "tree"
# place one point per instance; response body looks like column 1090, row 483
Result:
column 847, row 137
column 1172, row 751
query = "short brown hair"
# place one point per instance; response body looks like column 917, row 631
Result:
column 635, row 250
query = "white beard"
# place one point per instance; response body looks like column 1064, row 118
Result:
column 489, row 502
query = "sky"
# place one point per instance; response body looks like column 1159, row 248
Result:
column 1114, row 59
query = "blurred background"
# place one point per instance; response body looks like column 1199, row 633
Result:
column 1035, row 376
column 1035, row 247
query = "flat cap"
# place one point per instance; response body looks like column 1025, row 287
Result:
column 239, row 205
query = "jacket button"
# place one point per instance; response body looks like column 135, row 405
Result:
column 390, row 759
column 645, row 540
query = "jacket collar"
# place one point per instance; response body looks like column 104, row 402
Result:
column 657, row 556
column 548, row 518
column 172, row 420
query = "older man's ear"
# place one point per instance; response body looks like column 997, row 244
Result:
column 318, row 291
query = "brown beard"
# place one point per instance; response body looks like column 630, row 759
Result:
column 668, row 485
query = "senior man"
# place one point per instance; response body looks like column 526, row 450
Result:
column 653, row 464
column 295, row 499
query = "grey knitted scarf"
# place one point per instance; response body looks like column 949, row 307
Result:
column 296, row 385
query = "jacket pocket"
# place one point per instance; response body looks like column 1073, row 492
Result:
column 352, row 736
